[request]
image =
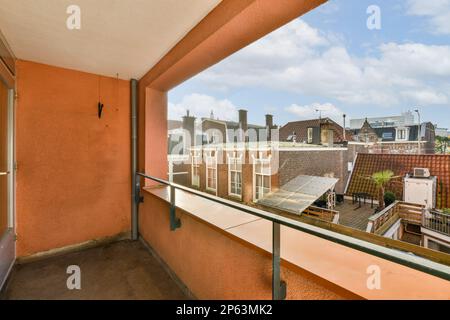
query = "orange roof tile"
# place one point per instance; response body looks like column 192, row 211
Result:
column 401, row 164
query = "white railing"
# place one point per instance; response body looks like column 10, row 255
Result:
column 437, row 221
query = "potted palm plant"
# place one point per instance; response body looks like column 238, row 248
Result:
column 381, row 179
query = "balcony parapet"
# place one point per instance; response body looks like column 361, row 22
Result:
column 380, row 222
column 333, row 263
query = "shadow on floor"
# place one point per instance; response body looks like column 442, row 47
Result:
column 122, row 270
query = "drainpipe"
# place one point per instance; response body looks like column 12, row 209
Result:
column 134, row 177
column 344, row 116
column 418, row 131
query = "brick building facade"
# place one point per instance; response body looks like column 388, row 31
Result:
column 210, row 170
column 286, row 164
column 315, row 131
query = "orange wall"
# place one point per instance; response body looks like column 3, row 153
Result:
column 231, row 260
column 73, row 177
column 215, row 266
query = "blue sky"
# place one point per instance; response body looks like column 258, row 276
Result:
column 329, row 60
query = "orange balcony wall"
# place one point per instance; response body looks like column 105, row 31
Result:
column 73, row 169
column 214, row 264
column 224, row 253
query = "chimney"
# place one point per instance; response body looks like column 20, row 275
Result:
column 269, row 120
column 269, row 126
column 243, row 123
column 189, row 126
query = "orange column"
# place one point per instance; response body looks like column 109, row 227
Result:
column 153, row 129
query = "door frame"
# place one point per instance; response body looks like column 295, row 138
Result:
column 8, row 239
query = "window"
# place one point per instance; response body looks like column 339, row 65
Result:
column 214, row 137
column 350, row 166
column 235, row 175
column 261, row 177
column 310, row 135
column 387, row 136
column 438, row 246
column 211, row 171
column 196, row 161
column 401, row 134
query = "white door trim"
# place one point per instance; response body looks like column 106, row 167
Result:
column 8, row 239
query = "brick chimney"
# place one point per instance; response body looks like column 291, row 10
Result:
column 269, row 126
column 269, row 120
column 243, row 125
column 189, row 126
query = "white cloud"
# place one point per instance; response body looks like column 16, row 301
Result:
column 200, row 105
column 330, row 7
column 438, row 12
column 416, row 60
column 311, row 111
column 301, row 59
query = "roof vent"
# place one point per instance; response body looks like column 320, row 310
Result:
column 421, row 173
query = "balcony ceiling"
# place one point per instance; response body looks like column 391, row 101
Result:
column 116, row 36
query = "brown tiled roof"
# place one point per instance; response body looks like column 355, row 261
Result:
column 174, row 124
column 401, row 164
column 301, row 129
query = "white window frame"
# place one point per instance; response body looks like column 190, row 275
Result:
column 264, row 162
column 235, row 160
column 398, row 130
column 208, row 158
column 195, row 164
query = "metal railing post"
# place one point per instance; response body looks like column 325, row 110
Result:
column 175, row 223
column 137, row 199
column 278, row 286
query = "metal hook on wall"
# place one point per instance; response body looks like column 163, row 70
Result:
column 100, row 109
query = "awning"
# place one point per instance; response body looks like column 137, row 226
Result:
column 299, row 193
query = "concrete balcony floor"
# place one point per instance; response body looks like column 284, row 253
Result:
column 122, row 270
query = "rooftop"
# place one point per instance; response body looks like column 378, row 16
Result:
column 263, row 145
column 355, row 215
column 301, row 129
column 400, row 164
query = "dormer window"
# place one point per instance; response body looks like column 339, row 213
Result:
column 402, row 134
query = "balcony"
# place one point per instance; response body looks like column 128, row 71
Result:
column 86, row 173
column 410, row 213
column 121, row 270
column 413, row 224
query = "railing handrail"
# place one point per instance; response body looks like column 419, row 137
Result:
column 377, row 215
column 412, row 261
column 438, row 213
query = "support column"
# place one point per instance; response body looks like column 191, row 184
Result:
column 155, row 134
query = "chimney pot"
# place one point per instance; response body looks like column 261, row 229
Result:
column 269, row 120
column 243, row 123
column 189, row 126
